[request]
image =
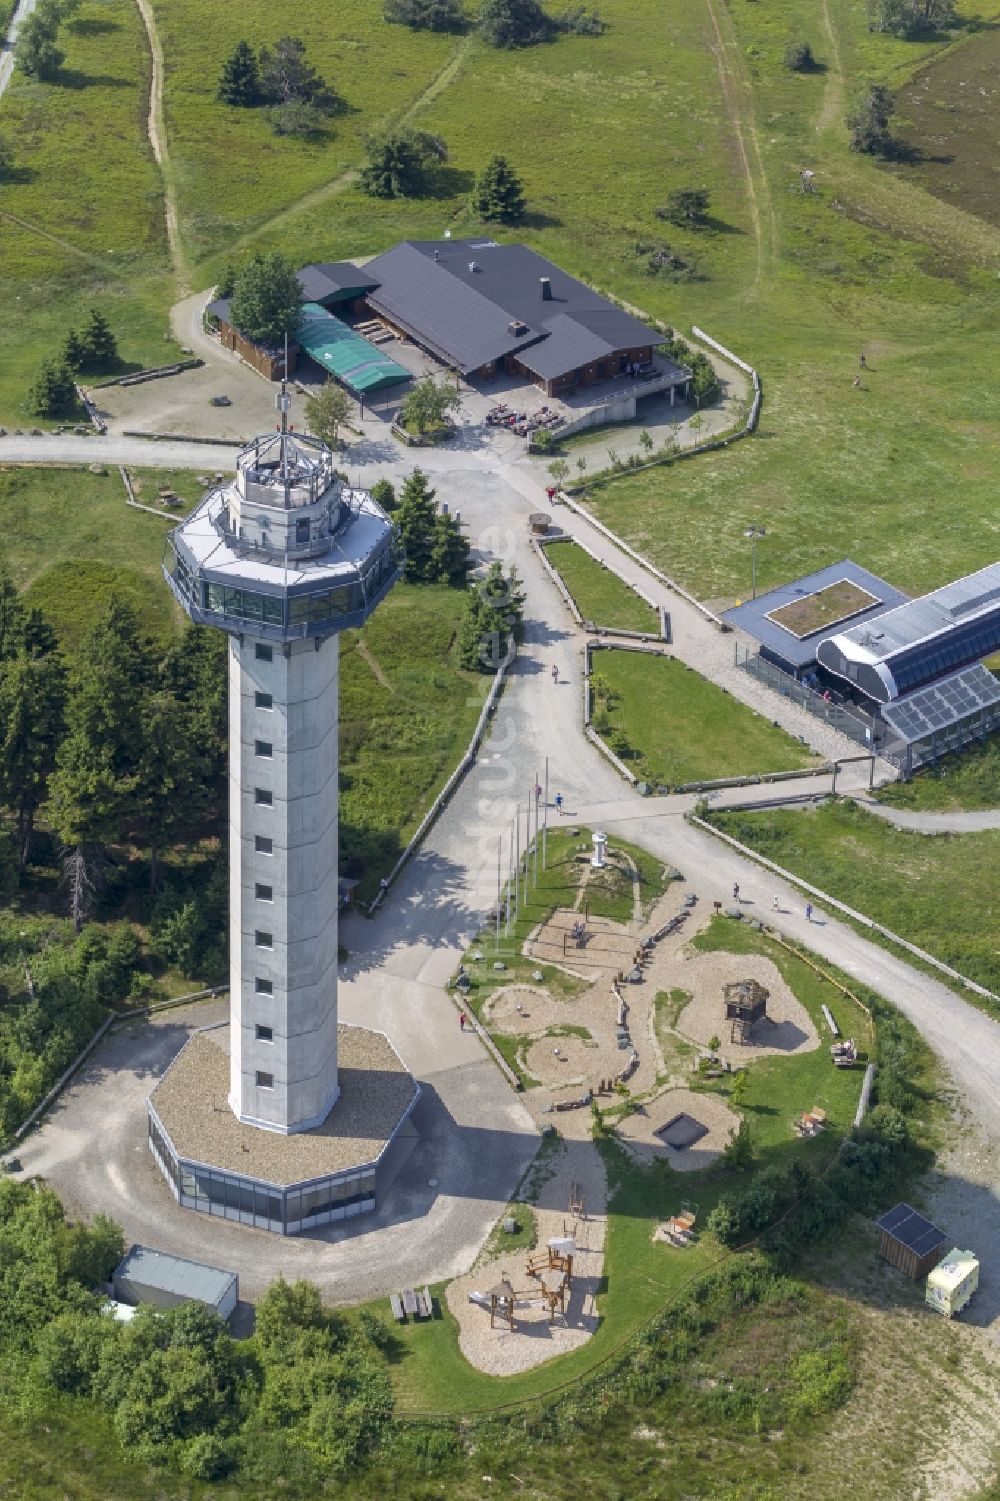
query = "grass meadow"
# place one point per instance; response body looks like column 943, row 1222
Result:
column 935, row 890
column 677, row 727
column 600, row 595
column 82, row 210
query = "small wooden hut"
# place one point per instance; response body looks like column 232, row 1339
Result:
column 746, row 1004
column 910, row 1242
column 502, row 1303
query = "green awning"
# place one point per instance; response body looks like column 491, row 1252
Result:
column 346, row 354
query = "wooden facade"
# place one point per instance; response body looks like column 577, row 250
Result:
column 270, row 363
column 910, row 1242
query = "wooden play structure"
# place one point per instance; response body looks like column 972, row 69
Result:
column 679, row 1228
column 552, row 1269
column 746, row 1004
column 502, row 1303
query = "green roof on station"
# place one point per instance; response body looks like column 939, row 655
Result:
column 346, row 354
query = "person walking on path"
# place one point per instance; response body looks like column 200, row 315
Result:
column 776, row 907
column 461, row 1020
column 809, row 911
column 558, row 800
column 736, row 891
column 864, row 362
column 555, row 672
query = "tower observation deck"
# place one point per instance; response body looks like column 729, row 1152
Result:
column 283, row 558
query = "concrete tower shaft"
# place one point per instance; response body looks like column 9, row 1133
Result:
column 283, row 827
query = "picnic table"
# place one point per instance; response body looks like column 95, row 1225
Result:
column 410, row 1302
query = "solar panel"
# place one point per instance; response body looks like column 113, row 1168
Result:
column 911, row 1229
column 920, row 714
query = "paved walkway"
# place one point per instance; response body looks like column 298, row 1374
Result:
column 21, row 11
column 954, row 821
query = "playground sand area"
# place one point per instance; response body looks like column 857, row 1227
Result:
column 504, row 1352
column 640, row 1131
column 789, row 1029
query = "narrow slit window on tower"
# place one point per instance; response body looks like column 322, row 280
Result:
column 263, row 701
column 262, row 797
column 263, row 893
column 263, row 987
column 263, row 940
column 263, row 845
column 263, row 652
column 264, row 749
column 264, row 1081
column 265, row 1034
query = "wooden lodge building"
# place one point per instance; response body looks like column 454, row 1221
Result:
column 480, row 307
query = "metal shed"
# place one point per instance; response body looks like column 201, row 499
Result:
column 910, row 1242
column 147, row 1276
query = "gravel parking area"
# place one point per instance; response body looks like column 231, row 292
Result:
column 375, row 1092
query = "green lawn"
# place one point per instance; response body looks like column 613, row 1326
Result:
column 937, row 891
column 430, row 1373
column 672, row 726
column 970, row 779
column 600, row 595
column 70, row 538
column 407, row 711
column 82, row 212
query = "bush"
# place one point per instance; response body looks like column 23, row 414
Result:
column 514, row 23
column 686, row 206
column 425, row 15
column 799, row 57
column 869, row 121
column 205, row 1457
column 578, row 21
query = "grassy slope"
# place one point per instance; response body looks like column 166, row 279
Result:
column 600, row 595
column 82, row 218
column 683, row 728
column 56, row 520
column 431, row 1375
column 935, row 891
column 968, row 780
column 405, row 720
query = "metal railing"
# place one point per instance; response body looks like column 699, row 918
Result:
column 807, row 698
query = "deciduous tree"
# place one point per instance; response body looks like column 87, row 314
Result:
column 427, row 403
column 399, row 163
column 267, row 299
column 327, row 411
column 686, row 206
column 514, row 23
column 426, row 15
column 869, row 122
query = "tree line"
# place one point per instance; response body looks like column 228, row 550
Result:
column 123, row 743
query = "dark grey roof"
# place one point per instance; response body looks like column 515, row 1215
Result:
column 911, row 1229
column 473, row 301
column 320, row 280
column 174, row 1274
column 800, row 651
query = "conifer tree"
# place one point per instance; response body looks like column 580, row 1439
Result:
column 499, row 196
column 98, row 343
column 239, row 82
column 416, row 519
column 449, row 559
column 32, row 703
column 54, row 391
column 73, row 352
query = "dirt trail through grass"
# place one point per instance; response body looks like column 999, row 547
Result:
column 158, row 144
column 832, row 108
column 101, row 262
column 738, row 101
column 327, row 190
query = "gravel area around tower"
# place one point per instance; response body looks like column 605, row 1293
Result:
column 192, row 1102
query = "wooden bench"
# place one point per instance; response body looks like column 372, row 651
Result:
column 396, row 1304
column 425, row 1306
column 410, row 1302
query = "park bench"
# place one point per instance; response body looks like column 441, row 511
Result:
column 396, row 1304
column 425, row 1307
column 410, row 1302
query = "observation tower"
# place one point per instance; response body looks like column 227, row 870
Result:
column 282, row 558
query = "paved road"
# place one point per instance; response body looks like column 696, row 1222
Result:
column 21, row 11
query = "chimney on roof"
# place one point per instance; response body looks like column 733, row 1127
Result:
column 437, row 255
column 546, row 286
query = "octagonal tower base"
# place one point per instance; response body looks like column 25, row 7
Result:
column 217, row 1165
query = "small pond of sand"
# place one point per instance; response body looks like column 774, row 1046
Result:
column 641, row 1130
